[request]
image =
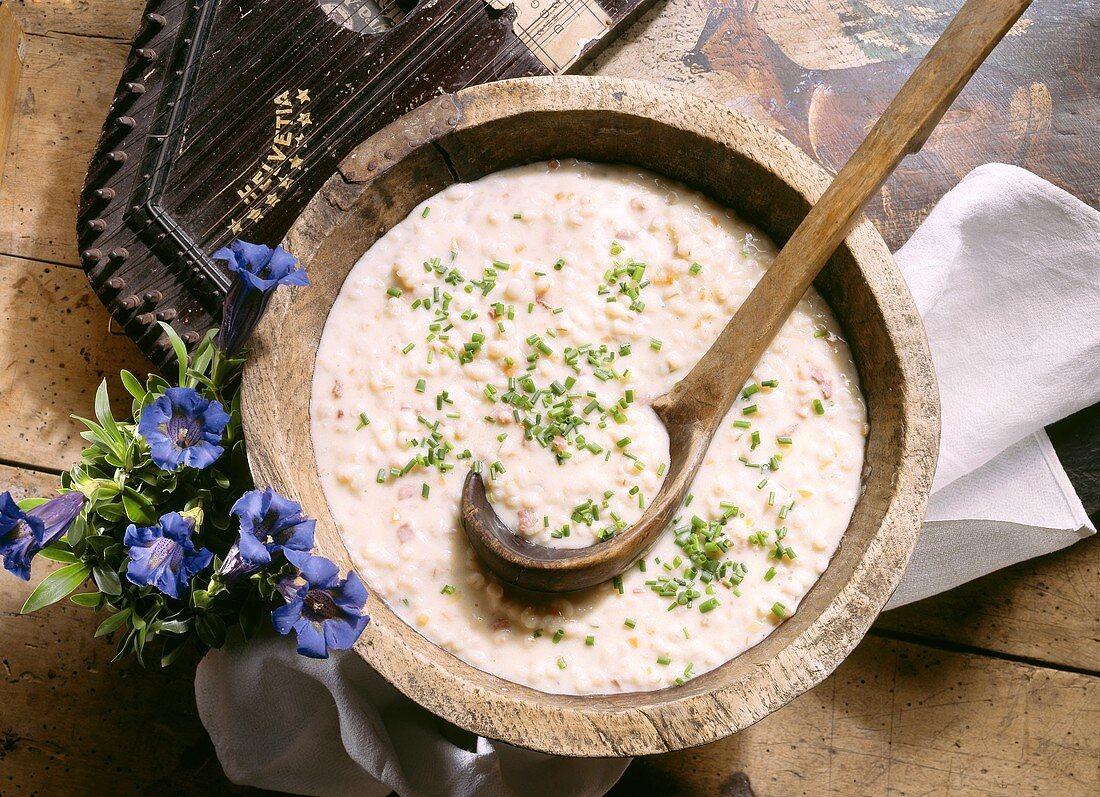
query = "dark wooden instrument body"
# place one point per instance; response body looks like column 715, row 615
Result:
column 231, row 114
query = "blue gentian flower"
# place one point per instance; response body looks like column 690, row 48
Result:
column 164, row 556
column 325, row 611
column 260, row 270
column 183, row 428
column 23, row 534
column 269, row 523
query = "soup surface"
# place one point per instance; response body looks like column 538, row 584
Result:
column 522, row 324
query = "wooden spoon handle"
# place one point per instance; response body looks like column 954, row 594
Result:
column 705, row 395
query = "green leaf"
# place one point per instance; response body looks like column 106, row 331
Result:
column 172, row 626
column 91, row 599
column 173, row 649
column 211, row 629
column 56, row 586
column 111, row 512
column 58, row 554
column 181, row 351
column 77, row 530
column 113, row 622
column 132, row 385
column 139, row 509
column 107, row 580
column 30, row 503
column 103, row 412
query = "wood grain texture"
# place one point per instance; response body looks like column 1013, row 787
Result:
column 1045, row 609
column 67, row 84
column 900, row 719
column 93, row 18
column 54, row 350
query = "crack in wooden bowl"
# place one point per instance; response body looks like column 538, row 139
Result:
column 737, row 162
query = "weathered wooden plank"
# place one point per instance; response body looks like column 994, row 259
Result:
column 1046, row 609
column 900, row 719
column 54, row 350
column 67, row 85
column 117, row 19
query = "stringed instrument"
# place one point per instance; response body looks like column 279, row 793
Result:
column 230, row 114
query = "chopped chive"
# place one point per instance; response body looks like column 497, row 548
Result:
column 742, row 424
column 695, row 268
column 749, row 410
column 420, row 385
column 561, row 663
column 617, row 582
column 770, row 383
column 655, row 344
column 590, row 640
column 517, row 215
column 424, row 490
column 750, row 390
column 393, row 291
column 770, row 574
column 558, row 635
column 629, row 623
column 381, row 477
column 664, row 661
column 448, row 589
column 623, row 443
column 779, row 610
column 784, row 441
column 819, row 408
column 708, row 605
column 821, row 333
column 755, row 439
column 424, row 215
column 363, row 421
column 408, row 348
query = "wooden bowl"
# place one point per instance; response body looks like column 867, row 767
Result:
column 737, row 162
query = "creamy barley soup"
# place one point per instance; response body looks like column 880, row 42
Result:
column 522, row 324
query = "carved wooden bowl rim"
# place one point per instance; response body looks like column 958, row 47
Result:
column 385, row 177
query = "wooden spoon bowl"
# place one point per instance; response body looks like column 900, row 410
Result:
column 737, row 162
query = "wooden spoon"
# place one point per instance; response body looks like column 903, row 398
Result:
column 697, row 404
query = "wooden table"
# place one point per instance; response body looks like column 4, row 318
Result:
column 992, row 688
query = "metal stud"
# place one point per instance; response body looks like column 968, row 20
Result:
column 146, row 54
column 121, row 253
column 145, row 319
column 96, row 225
column 106, row 194
column 190, row 338
column 91, row 255
column 156, row 19
column 116, row 156
column 153, row 297
column 166, row 315
column 126, row 122
column 135, row 88
column 130, row 302
column 116, row 283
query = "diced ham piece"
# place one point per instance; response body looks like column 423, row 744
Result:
column 406, row 491
column 528, row 521
column 826, row 385
column 499, row 624
column 405, row 533
column 337, row 389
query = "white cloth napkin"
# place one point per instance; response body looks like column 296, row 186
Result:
column 1005, row 272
